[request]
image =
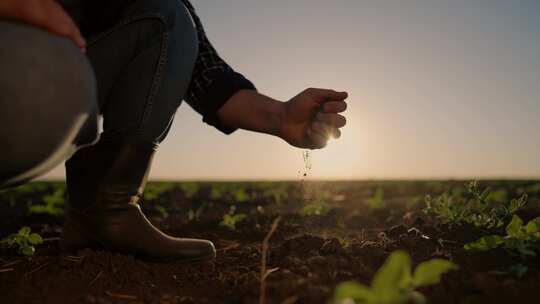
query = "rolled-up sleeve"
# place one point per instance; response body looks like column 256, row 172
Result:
column 213, row 81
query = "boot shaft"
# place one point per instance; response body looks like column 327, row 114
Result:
column 109, row 174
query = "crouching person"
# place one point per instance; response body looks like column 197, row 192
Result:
column 133, row 62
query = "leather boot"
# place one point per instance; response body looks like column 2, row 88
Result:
column 105, row 183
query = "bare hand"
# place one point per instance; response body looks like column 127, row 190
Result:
column 47, row 14
column 311, row 118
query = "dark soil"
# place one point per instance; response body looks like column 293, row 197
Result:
column 314, row 252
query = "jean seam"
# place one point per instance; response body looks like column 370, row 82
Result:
column 156, row 82
column 159, row 67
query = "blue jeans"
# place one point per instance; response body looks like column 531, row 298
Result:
column 141, row 67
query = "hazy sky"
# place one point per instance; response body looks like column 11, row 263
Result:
column 437, row 88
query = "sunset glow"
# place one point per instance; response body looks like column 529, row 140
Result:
column 437, row 89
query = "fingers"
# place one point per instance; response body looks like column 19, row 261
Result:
column 63, row 25
column 51, row 16
column 324, row 126
column 334, row 106
column 318, row 140
column 323, row 95
column 331, row 119
column 319, row 133
column 337, row 133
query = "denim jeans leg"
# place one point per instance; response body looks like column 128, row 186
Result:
column 143, row 68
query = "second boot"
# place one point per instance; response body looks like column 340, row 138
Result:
column 105, row 183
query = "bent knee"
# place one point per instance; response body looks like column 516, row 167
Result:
column 176, row 20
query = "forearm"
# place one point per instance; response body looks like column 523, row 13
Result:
column 250, row 110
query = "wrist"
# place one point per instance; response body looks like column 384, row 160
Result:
column 250, row 110
column 278, row 114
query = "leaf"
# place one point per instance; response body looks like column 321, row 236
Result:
column 430, row 272
column 27, row 250
column 485, row 243
column 35, row 239
column 417, row 298
column 230, row 220
column 395, row 273
column 514, row 228
column 377, row 200
column 516, row 204
column 533, row 226
column 24, row 231
column 484, row 195
column 351, row 290
column 239, row 217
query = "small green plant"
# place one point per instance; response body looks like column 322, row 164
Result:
column 519, row 238
column 217, row 191
column 231, row 219
column 155, row 190
column 315, row 208
column 344, row 242
column 483, row 209
column 240, row 195
column 189, row 188
column 498, row 196
column 414, row 201
column 12, row 194
column 377, row 200
column 53, row 204
column 275, row 191
column 195, row 214
column 394, row 282
column 229, row 191
column 535, row 188
column 24, row 240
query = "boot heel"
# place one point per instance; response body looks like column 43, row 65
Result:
column 74, row 238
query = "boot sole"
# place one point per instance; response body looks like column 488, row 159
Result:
column 89, row 242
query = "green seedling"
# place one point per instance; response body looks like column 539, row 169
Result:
column 194, row 214
column 498, row 196
column 217, row 191
column 234, row 191
column 24, row 240
column 394, row 282
column 315, row 208
column 12, row 194
column 344, row 242
column 278, row 194
column 414, row 201
column 240, row 195
column 483, row 209
column 189, row 188
column 521, row 239
column 154, row 190
column 231, row 219
column 377, row 200
column 53, row 204
column 535, row 188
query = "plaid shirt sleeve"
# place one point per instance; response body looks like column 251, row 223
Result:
column 213, row 81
